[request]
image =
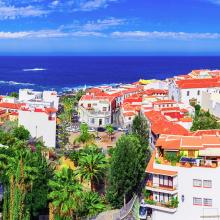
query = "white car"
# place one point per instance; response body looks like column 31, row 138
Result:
column 91, row 130
column 122, row 129
column 143, row 210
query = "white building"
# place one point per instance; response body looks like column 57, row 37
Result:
column 41, row 123
column 211, row 103
column 95, row 111
column 190, row 90
column 194, row 181
column 36, row 98
column 38, row 114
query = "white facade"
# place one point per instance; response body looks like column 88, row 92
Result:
column 40, row 125
column 39, row 99
column 185, row 95
column 96, row 113
column 184, row 187
column 211, row 103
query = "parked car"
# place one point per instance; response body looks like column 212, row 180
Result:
column 100, row 129
column 92, row 130
column 123, row 129
column 143, row 210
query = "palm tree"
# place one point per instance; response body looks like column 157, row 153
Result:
column 85, row 137
column 109, row 130
column 92, row 165
column 91, row 205
column 65, row 193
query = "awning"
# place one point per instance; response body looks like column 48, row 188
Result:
column 210, row 152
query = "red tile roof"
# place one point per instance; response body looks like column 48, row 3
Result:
column 164, row 102
column 160, row 125
column 11, row 105
column 198, row 83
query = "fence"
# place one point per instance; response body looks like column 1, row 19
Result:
column 125, row 210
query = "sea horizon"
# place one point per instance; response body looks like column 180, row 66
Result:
column 63, row 73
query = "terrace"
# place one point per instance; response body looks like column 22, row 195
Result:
column 201, row 160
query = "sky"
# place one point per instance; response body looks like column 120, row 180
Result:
column 109, row 27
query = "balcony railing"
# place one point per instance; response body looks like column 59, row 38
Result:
column 162, row 206
column 161, row 188
column 93, row 112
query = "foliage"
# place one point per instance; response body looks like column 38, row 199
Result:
column 150, row 202
column 92, row 165
column 109, row 129
column 85, row 137
column 140, row 129
column 63, row 136
column 65, row 193
column 147, row 193
column 197, row 110
column 91, row 204
column 126, row 170
column 21, row 133
column 173, row 203
column 79, row 94
column 203, row 120
column 172, row 157
column 14, row 94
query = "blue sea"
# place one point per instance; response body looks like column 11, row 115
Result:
column 65, row 73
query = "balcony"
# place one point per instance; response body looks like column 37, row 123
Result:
column 94, row 113
column 165, row 207
column 161, row 188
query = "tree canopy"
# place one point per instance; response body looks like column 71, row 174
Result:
column 204, row 120
column 125, row 169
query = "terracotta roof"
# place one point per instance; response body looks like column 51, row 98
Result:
column 156, row 91
column 10, row 105
column 160, row 125
column 188, row 142
column 202, row 132
column 198, row 83
column 164, row 102
column 129, row 114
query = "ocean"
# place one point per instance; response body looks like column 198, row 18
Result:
column 66, row 73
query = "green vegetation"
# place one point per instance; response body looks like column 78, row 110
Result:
column 109, row 130
column 173, row 203
column 203, row 120
column 92, row 166
column 35, row 184
column 85, row 137
column 172, row 157
column 128, row 163
column 24, row 174
column 14, row 94
column 126, row 171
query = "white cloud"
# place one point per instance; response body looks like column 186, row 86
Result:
column 48, row 34
column 103, row 24
column 164, row 35
column 12, row 12
column 94, row 4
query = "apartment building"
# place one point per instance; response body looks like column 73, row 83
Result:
column 189, row 88
column 183, row 177
column 38, row 114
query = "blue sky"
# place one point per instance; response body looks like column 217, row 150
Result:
column 110, row 27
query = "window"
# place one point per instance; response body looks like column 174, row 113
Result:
column 207, row 202
column 198, row 92
column 104, row 109
column 197, row 201
column 187, row 93
column 207, row 183
column 89, row 105
column 197, row 183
